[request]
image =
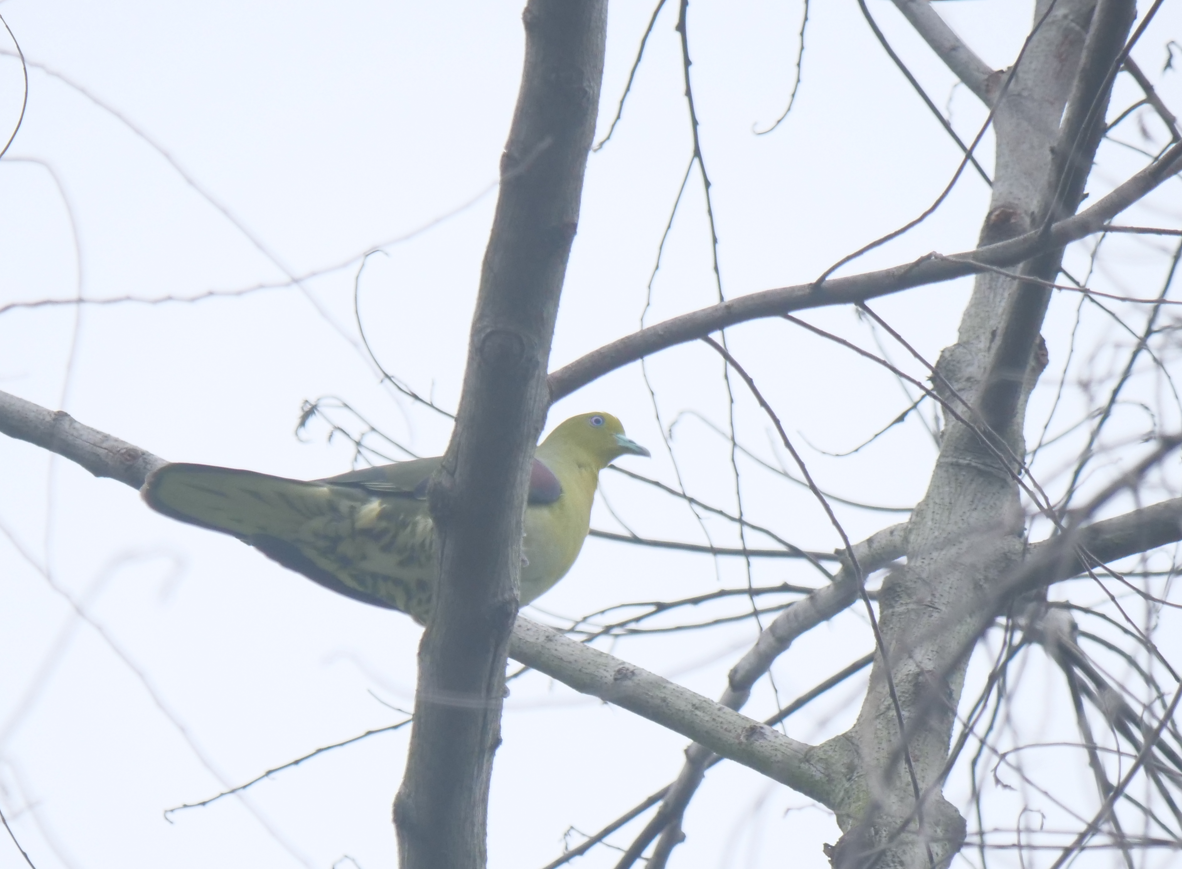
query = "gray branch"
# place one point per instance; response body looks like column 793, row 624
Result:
column 967, row 534
column 973, row 72
column 1075, row 143
column 477, row 498
column 720, row 729
column 1108, row 540
column 873, row 553
column 100, row 453
column 931, row 269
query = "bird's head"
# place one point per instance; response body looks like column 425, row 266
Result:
column 598, row 436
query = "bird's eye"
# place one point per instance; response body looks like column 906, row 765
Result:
column 596, row 420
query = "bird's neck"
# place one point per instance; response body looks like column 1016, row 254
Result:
column 574, row 468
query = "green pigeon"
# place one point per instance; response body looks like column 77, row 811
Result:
column 368, row 534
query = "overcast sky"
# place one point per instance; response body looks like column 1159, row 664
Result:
column 174, row 149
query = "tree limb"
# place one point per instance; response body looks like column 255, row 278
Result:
column 478, row 496
column 872, row 553
column 1151, row 97
column 722, row 730
column 929, row 269
column 967, row 532
column 1112, row 539
column 100, row 453
column 973, row 72
column 1071, row 164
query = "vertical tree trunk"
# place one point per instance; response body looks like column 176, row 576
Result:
column 478, row 500
column 968, row 532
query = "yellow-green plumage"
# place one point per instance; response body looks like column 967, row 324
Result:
column 367, row 534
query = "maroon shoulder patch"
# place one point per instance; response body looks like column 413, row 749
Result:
column 544, row 487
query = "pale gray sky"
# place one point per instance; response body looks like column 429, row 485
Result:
column 290, row 138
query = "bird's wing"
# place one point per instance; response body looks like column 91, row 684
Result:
column 374, row 546
column 400, row 478
column 544, row 487
column 411, row 478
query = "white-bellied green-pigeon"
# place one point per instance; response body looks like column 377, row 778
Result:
column 367, row 534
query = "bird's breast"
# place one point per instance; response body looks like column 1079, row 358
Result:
column 554, row 534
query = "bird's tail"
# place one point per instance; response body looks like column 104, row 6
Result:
column 242, row 503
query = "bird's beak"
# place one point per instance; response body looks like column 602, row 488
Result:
column 630, row 446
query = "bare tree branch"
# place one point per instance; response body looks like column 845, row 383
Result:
column 1071, row 164
column 100, row 453
column 1151, row 97
column 973, row 72
column 477, row 498
column 1112, row 539
column 968, row 529
column 722, row 730
column 967, row 150
column 713, row 550
column 872, row 554
column 858, row 288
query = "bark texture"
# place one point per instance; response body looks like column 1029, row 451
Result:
column 968, row 532
column 478, row 499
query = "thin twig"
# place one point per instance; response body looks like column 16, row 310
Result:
column 289, row 765
column 804, row 20
column 1106, row 807
column 852, row 561
column 918, row 88
column 711, row 550
column 720, row 512
column 16, row 841
column 20, row 119
column 631, row 76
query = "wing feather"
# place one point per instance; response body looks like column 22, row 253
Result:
column 377, row 546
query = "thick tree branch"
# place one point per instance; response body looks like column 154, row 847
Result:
column 930, row 269
column 100, row 453
column 1113, row 539
column 477, row 499
column 1065, row 556
column 722, row 730
column 873, row 553
column 973, row 72
column 966, row 534
column 1072, row 155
